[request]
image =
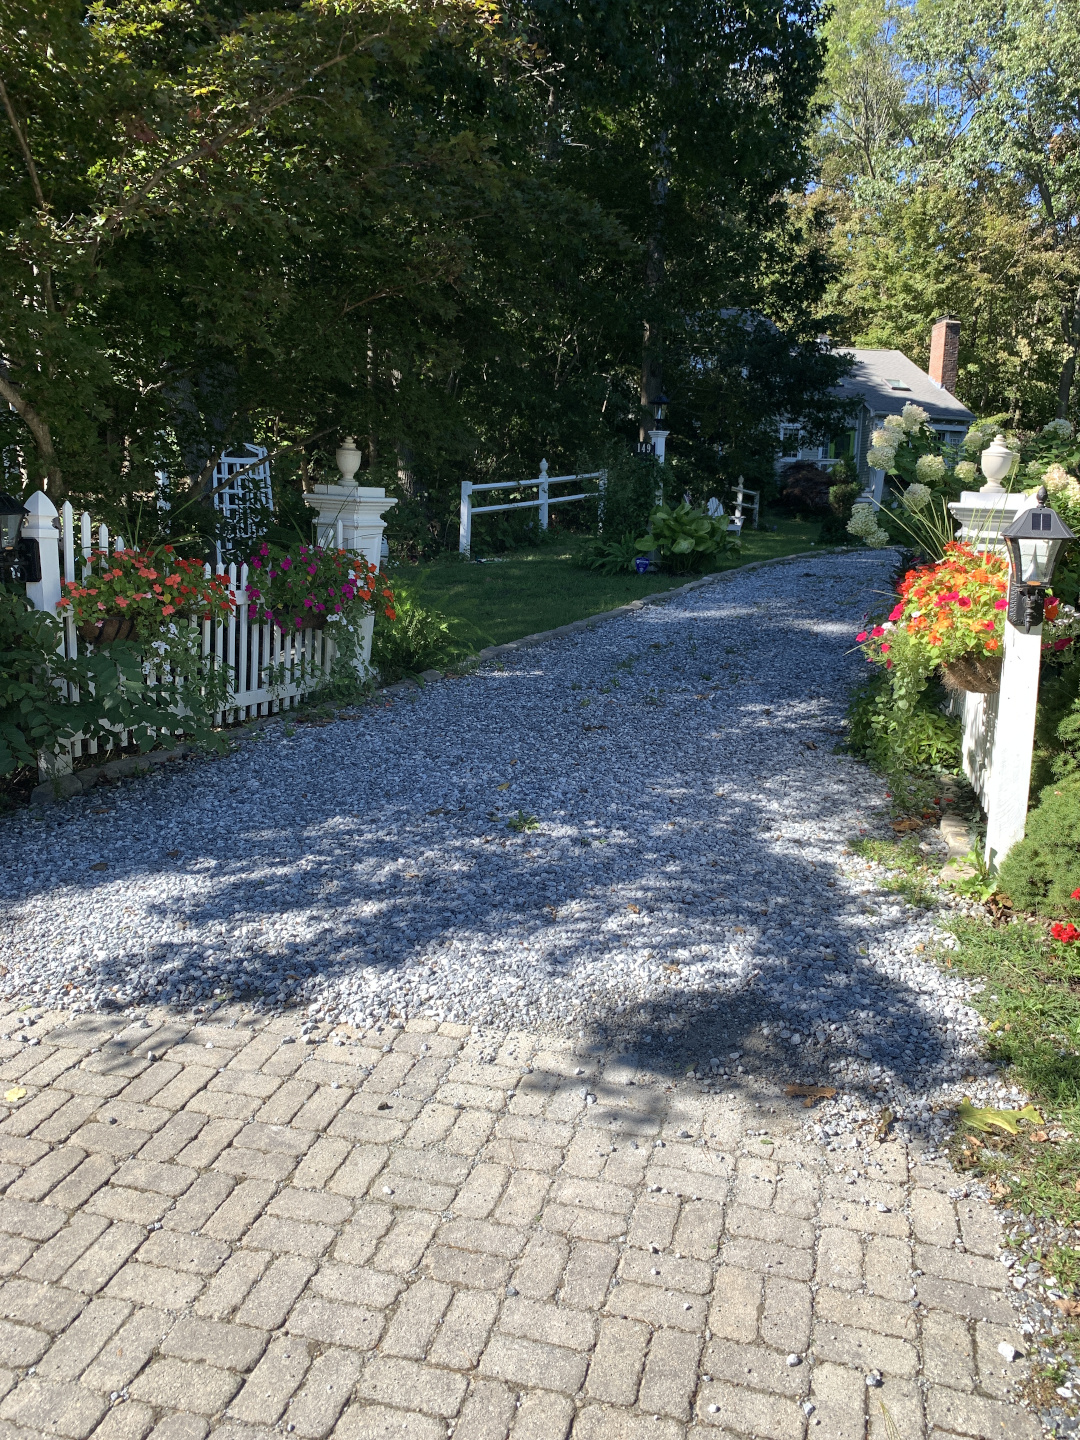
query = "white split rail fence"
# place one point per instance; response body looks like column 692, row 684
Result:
column 269, row 671
column 542, row 503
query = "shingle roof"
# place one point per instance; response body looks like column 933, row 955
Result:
column 869, row 381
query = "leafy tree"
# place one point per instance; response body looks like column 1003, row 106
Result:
column 949, row 156
column 443, row 227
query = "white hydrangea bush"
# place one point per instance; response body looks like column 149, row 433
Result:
column 864, row 526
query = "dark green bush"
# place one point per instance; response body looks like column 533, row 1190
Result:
column 842, row 497
column 1044, row 869
column 630, row 494
column 417, row 639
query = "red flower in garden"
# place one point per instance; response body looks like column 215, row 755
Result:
column 1066, row 934
column 1051, row 608
column 877, row 631
column 1075, row 894
column 862, row 635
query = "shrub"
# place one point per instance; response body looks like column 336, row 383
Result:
column 842, row 497
column 907, row 746
column 1043, row 871
column 610, row 557
column 633, row 482
column 413, row 640
column 687, row 539
column 37, row 713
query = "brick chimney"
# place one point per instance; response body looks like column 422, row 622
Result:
column 945, row 353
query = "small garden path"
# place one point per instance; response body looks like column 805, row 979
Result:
column 524, row 1164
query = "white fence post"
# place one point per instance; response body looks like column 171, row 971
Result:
column 1014, row 741
column 41, row 523
column 543, row 495
column 465, row 519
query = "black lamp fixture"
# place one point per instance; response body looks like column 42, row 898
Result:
column 1034, row 541
column 20, row 560
column 658, row 409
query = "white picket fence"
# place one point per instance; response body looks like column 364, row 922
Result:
column 268, row 671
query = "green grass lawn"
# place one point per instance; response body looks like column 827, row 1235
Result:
column 530, row 590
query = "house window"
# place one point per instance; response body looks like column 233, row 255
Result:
column 789, row 442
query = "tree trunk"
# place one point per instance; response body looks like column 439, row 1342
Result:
column 1070, row 326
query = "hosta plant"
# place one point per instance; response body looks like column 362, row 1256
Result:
column 685, row 537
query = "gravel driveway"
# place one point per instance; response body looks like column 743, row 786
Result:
column 637, row 833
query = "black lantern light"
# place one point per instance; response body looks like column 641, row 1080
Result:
column 1034, row 541
column 20, row 559
column 658, row 409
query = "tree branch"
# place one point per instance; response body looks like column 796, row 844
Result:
column 38, row 429
column 39, row 194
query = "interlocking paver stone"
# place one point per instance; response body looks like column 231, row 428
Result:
column 448, row 1241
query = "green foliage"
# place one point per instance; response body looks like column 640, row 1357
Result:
column 283, row 223
column 416, row 639
column 687, row 539
column 1032, row 1002
column 946, row 191
column 906, row 745
column 1041, row 872
column 630, row 495
column 610, row 557
column 46, row 700
column 842, row 497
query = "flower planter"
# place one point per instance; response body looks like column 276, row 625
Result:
column 975, row 674
column 309, row 621
column 112, row 627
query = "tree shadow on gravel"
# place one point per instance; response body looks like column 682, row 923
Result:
column 725, row 867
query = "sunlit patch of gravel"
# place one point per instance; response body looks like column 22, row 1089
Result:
column 690, row 850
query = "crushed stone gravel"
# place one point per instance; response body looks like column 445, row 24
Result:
column 639, row 832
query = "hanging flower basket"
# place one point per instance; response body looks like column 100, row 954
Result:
column 306, row 620
column 303, row 588
column 111, row 627
column 973, row 674
column 144, row 594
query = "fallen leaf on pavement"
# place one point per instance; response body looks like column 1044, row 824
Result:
column 810, row 1093
column 634, row 909
column 1068, row 1307
column 1007, row 1120
column 885, row 1119
column 903, row 827
column 15, row 1093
